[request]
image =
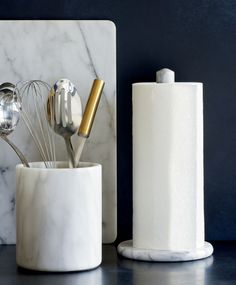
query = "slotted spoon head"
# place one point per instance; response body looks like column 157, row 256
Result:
column 64, row 108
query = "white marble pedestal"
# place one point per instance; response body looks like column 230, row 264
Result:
column 59, row 217
column 126, row 249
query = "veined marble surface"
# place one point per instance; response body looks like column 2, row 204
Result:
column 50, row 50
column 126, row 249
column 58, row 214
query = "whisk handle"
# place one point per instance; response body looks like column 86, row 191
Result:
column 17, row 151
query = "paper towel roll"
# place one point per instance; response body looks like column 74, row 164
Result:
column 168, row 166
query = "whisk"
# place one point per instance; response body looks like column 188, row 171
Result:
column 33, row 95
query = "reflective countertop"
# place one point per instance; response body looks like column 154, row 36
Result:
column 217, row 269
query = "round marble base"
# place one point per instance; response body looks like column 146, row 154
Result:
column 126, row 249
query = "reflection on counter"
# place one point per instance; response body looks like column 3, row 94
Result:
column 192, row 272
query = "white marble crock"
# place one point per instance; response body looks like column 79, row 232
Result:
column 58, row 217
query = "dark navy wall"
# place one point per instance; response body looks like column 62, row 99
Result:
column 196, row 38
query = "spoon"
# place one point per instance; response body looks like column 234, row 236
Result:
column 65, row 113
column 9, row 116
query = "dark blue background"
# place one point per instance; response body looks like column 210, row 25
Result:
column 196, row 38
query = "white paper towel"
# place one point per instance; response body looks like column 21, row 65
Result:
column 168, row 166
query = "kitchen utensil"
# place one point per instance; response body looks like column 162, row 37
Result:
column 33, row 95
column 9, row 116
column 65, row 112
column 88, row 117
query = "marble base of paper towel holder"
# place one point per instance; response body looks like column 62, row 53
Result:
column 126, row 249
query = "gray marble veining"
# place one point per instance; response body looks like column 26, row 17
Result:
column 50, row 50
column 58, row 217
column 126, row 249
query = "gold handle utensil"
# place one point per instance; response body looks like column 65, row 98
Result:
column 88, row 117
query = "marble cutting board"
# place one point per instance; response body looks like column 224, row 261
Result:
column 50, row 50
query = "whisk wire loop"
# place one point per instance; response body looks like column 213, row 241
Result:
column 33, row 95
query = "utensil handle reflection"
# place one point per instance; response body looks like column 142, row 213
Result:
column 17, row 151
column 70, row 152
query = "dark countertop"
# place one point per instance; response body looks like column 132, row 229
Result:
column 218, row 269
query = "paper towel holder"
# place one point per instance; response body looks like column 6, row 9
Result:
column 157, row 253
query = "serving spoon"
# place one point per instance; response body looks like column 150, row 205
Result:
column 65, row 113
column 9, row 116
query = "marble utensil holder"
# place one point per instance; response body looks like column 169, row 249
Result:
column 59, row 217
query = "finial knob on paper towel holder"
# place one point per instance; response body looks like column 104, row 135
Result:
column 165, row 75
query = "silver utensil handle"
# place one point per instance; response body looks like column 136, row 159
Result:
column 70, row 152
column 17, row 151
column 79, row 150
